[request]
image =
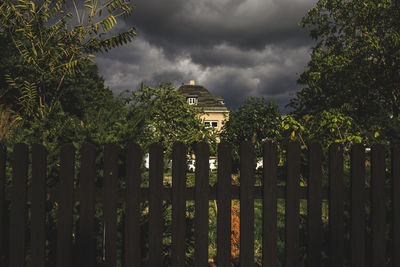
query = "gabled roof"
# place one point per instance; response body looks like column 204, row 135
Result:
column 205, row 99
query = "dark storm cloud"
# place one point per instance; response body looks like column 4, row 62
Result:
column 235, row 48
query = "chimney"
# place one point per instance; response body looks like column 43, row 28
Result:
column 192, row 82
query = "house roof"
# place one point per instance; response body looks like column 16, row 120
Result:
column 205, row 99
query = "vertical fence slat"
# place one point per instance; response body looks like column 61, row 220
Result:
column 18, row 206
column 314, row 206
column 396, row 206
column 357, row 206
column 292, row 205
column 224, row 189
column 132, row 219
column 111, row 152
column 156, row 221
column 270, row 168
column 38, row 206
column 86, row 238
column 64, row 223
column 246, row 204
column 3, row 205
column 201, row 205
column 378, row 205
column 178, row 204
column 336, row 206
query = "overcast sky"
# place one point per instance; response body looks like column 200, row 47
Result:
column 234, row 48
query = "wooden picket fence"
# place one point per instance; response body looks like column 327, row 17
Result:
column 21, row 203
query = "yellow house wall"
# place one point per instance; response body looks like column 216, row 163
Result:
column 215, row 116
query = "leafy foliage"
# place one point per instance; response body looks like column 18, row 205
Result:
column 169, row 118
column 52, row 42
column 255, row 120
column 354, row 66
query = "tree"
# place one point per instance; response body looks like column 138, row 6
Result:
column 354, row 66
column 169, row 118
column 51, row 43
column 255, row 120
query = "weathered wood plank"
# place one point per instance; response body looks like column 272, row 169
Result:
column 86, row 237
column 156, row 220
column 224, row 204
column 292, row 205
column 111, row 152
column 3, row 205
column 178, row 203
column 201, row 205
column 396, row 206
column 38, row 206
column 64, row 223
column 336, row 206
column 18, row 206
column 357, row 206
column 132, row 220
column 246, row 204
column 378, row 205
column 269, row 194
column 314, row 206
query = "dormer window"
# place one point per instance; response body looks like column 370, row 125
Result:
column 192, row 100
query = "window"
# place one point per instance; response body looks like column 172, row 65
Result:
column 192, row 100
column 213, row 124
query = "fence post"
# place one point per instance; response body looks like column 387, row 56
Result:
column 38, row 206
column 132, row 219
column 292, row 205
column 246, row 204
column 396, row 206
column 224, row 200
column 201, row 205
column 336, row 206
column 156, row 220
column 270, row 168
column 111, row 152
column 18, row 206
column 357, row 206
column 314, row 205
column 86, row 238
column 178, row 203
column 3, row 205
column 378, row 205
column 64, row 222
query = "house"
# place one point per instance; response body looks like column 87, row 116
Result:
column 213, row 107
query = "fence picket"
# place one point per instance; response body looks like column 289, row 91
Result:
column 270, row 164
column 201, row 205
column 396, row 206
column 336, row 206
column 156, row 221
column 111, row 152
column 18, row 206
column 178, row 203
column 314, row 206
column 38, row 206
column 292, row 205
column 3, row 206
column 246, row 204
column 64, row 223
column 86, row 238
column 224, row 190
column 357, row 206
column 378, row 205
column 132, row 219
